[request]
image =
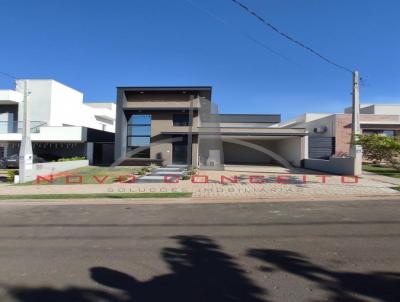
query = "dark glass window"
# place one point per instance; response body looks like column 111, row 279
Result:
column 180, row 119
column 139, row 133
column 380, row 132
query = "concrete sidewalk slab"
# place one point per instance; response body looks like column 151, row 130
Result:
column 315, row 185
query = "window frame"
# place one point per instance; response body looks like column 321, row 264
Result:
column 129, row 137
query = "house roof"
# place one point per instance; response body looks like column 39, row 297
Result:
column 206, row 90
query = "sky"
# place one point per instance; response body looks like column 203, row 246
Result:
column 96, row 45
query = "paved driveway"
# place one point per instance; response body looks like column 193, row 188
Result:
column 295, row 252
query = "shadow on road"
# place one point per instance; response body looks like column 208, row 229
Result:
column 340, row 286
column 201, row 271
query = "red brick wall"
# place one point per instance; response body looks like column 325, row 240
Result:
column 342, row 133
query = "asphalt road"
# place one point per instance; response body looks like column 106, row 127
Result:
column 287, row 251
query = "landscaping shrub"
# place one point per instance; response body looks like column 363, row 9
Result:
column 71, row 158
column 11, row 175
column 142, row 172
column 192, row 171
column 379, row 148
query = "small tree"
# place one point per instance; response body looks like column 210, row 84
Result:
column 379, row 148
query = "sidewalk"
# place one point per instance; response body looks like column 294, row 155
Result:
column 334, row 187
column 381, row 178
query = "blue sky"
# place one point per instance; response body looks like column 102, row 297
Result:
column 96, row 45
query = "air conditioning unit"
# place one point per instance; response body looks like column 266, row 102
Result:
column 321, row 129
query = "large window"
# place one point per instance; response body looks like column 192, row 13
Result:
column 139, row 133
column 180, row 119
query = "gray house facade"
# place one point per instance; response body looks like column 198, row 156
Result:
column 182, row 126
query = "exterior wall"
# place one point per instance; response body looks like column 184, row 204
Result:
column 46, row 169
column 385, row 109
column 40, row 100
column 291, row 149
column 342, row 134
column 58, row 105
column 161, row 120
column 341, row 166
column 343, row 127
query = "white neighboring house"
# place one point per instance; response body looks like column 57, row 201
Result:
column 61, row 124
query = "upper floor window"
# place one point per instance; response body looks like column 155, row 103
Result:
column 139, row 134
column 180, row 119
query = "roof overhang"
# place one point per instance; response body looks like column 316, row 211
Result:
column 10, row 97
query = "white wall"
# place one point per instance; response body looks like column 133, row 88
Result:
column 391, row 109
column 40, row 100
column 291, row 149
column 59, row 105
column 45, row 169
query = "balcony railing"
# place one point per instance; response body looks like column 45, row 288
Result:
column 16, row 127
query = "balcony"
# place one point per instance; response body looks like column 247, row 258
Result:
column 16, row 127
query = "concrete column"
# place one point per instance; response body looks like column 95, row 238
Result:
column 121, row 127
column 304, row 147
column 89, row 152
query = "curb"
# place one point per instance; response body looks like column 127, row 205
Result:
column 225, row 200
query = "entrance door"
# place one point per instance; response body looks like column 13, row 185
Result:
column 179, row 152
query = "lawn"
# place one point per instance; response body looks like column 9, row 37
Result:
column 381, row 170
column 97, row 196
column 90, row 175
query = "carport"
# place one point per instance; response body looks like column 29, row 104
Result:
column 264, row 146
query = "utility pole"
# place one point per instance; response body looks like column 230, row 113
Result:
column 356, row 150
column 25, row 151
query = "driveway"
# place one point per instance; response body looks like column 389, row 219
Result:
column 295, row 252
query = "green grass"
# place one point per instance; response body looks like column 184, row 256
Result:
column 98, row 195
column 396, row 188
column 386, row 171
column 88, row 175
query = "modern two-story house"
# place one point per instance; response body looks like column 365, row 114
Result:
column 182, row 126
column 61, row 124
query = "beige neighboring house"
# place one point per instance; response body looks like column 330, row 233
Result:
column 330, row 134
column 182, row 126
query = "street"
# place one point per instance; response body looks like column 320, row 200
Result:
column 279, row 251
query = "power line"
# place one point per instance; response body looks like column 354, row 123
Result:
column 244, row 34
column 8, row 75
column 293, row 40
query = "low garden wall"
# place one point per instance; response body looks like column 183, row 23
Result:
column 44, row 169
column 334, row 165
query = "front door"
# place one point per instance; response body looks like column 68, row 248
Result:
column 179, row 152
